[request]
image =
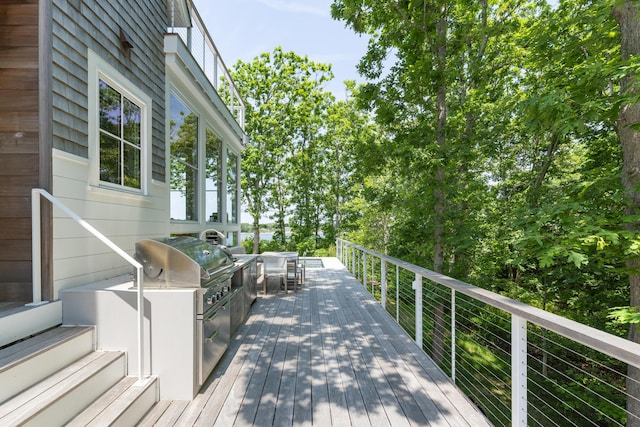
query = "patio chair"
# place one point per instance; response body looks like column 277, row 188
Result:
column 293, row 280
column 275, row 269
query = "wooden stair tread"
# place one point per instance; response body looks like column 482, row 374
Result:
column 111, row 404
column 55, row 386
column 38, row 344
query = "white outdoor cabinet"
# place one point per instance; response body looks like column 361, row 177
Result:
column 170, row 334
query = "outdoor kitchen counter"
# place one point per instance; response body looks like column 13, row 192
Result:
column 170, row 333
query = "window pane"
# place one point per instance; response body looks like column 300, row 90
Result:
column 131, row 166
column 213, row 178
column 110, row 109
column 183, row 128
column 131, row 122
column 232, row 190
column 184, row 199
column 109, row 159
column 183, row 131
column 232, row 238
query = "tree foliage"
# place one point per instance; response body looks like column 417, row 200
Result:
column 495, row 141
column 297, row 168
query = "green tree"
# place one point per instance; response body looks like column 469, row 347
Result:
column 285, row 102
column 628, row 121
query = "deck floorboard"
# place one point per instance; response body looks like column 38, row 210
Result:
column 327, row 355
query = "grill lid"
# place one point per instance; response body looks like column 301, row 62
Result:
column 181, row 260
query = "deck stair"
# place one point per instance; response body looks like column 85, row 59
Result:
column 58, row 378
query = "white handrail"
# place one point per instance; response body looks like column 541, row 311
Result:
column 37, row 261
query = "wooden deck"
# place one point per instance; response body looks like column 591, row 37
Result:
column 327, row 355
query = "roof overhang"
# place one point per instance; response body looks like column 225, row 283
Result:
column 178, row 12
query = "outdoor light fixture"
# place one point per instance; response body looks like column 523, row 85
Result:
column 124, row 40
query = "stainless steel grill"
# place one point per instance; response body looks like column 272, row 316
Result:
column 188, row 262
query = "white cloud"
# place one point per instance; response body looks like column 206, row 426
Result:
column 296, row 7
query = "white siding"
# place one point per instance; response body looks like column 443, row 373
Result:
column 124, row 218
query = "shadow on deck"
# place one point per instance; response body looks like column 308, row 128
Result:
column 326, row 355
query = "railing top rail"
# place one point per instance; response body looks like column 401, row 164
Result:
column 209, row 44
column 622, row 349
column 89, row 228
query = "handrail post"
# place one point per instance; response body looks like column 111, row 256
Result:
column 453, row 335
column 364, row 269
column 36, row 193
column 397, row 293
column 417, row 286
column 518, row 371
column 353, row 260
column 139, row 275
column 383, row 283
column 36, row 242
column 373, row 275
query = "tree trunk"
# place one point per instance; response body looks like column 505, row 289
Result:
column 626, row 15
column 256, row 235
column 440, row 182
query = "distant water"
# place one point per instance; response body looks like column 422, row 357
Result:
column 263, row 236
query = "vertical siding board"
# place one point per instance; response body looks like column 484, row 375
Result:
column 19, row 142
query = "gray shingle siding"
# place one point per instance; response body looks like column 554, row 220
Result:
column 79, row 25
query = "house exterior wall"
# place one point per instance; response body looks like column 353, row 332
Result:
column 86, row 42
column 91, row 24
column 19, row 143
column 87, row 48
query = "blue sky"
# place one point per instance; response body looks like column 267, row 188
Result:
column 243, row 29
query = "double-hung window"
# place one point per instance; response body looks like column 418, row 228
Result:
column 119, row 128
column 120, row 138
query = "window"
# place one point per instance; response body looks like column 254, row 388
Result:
column 213, row 176
column 120, row 138
column 232, row 187
column 183, row 136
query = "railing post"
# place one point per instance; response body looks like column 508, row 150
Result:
column 453, row 335
column 36, row 193
column 36, row 257
column 373, row 275
column 417, row 286
column 397, row 293
column 364, row 269
column 383, row 283
column 353, row 260
column 518, row 371
column 215, row 71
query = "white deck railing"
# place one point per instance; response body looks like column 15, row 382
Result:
column 552, row 370
column 204, row 51
column 36, row 193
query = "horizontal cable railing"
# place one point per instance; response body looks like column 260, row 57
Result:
column 522, row 366
column 204, row 51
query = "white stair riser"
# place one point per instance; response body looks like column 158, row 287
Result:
column 29, row 322
column 134, row 413
column 33, row 370
column 66, row 407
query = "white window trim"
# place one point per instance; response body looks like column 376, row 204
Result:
column 98, row 68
